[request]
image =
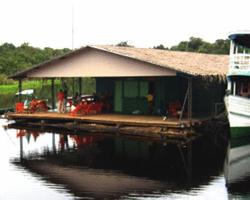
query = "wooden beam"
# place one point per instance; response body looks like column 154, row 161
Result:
column 53, row 93
column 80, row 85
column 20, row 90
column 73, row 87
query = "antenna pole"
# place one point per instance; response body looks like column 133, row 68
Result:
column 72, row 39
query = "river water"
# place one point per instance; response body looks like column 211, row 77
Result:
column 84, row 166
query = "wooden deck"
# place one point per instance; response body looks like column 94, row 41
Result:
column 136, row 120
column 130, row 125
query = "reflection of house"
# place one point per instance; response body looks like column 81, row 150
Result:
column 126, row 75
column 81, row 140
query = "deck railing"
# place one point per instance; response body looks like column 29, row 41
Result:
column 240, row 61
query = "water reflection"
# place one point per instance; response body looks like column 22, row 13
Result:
column 102, row 166
column 18, row 183
column 98, row 151
column 99, row 166
column 93, row 166
column 237, row 166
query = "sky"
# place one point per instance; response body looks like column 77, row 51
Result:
column 142, row 23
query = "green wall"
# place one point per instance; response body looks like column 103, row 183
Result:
column 129, row 94
column 133, row 96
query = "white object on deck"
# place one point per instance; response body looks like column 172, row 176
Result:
column 26, row 92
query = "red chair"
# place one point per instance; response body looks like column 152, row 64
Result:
column 80, row 109
column 37, row 105
column 19, row 107
column 84, row 108
column 94, row 108
column 174, row 108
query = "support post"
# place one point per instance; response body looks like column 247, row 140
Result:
column 73, row 87
column 190, row 98
column 53, row 93
column 183, row 105
column 80, row 85
column 20, row 90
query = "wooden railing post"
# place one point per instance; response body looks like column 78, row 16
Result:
column 53, row 93
column 80, row 85
column 73, row 87
column 20, row 90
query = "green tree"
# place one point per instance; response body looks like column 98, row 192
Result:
column 182, row 46
column 161, row 46
column 123, row 44
column 221, row 46
column 14, row 59
column 206, row 47
column 194, row 44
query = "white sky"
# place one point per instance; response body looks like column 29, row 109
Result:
column 143, row 23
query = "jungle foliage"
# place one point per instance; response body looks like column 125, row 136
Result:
column 14, row 59
column 195, row 44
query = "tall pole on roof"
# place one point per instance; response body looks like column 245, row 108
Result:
column 72, row 23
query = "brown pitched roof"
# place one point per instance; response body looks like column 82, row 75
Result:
column 197, row 64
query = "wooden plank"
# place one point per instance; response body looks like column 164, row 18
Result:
column 127, row 125
column 137, row 120
column 150, row 133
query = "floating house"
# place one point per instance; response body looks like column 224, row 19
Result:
column 129, row 74
column 128, row 77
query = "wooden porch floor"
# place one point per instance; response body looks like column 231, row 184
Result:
column 153, row 127
column 137, row 120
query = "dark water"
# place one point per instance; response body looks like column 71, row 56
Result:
column 72, row 166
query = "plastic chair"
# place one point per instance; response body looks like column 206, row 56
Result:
column 19, row 107
column 174, row 108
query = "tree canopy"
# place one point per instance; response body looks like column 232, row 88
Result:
column 161, row 46
column 124, row 44
column 194, row 44
column 14, row 59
